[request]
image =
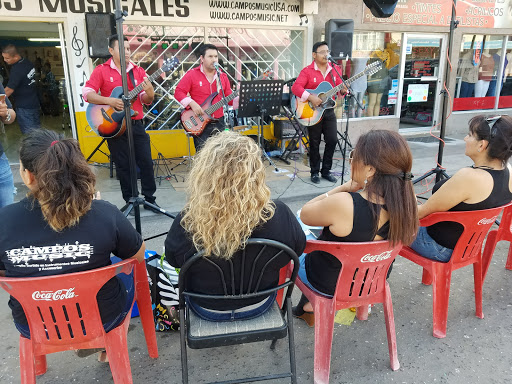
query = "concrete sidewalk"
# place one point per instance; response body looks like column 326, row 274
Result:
column 475, row 350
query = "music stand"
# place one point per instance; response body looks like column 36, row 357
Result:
column 257, row 99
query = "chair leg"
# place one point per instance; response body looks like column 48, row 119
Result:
column 490, row 246
column 116, row 345
column 41, row 365
column 291, row 341
column 143, row 297
column 390, row 329
column 362, row 312
column 426, row 278
column 509, row 259
column 478, row 278
column 324, row 328
column 27, row 362
column 184, row 363
column 441, row 295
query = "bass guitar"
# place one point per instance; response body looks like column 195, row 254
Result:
column 308, row 115
column 194, row 124
column 110, row 123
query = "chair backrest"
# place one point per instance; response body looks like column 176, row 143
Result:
column 243, row 282
column 506, row 218
column 62, row 309
column 476, row 225
column 364, row 268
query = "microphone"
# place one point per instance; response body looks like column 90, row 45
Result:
column 217, row 66
column 329, row 57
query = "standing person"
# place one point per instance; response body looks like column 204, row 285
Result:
column 104, row 79
column 7, row 115
column 22, row 85
column 71, row 231
column 199, row 83
column 309, row 78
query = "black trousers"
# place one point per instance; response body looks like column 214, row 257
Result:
column 211, row 129
column 121, row 156
column 328, row 127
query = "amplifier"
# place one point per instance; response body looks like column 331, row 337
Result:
column 283, row 128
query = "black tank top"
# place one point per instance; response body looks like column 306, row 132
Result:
column 447, row 233
column 322, row 268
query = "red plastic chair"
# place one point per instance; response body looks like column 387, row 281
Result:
column 362, row 281
column 62, row 314
column 468, row 251
column 504, row 232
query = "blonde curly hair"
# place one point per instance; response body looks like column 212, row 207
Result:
column 227, row 195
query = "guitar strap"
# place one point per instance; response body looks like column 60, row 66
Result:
column 132, row 79
column 334, row 82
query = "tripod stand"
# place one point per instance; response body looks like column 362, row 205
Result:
column 259, row 98
column 135, row 200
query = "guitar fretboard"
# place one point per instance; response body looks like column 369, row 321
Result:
column 338, row 88
column 135, row 91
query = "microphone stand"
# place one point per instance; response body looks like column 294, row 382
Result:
column 225, row 107
column 344, row 136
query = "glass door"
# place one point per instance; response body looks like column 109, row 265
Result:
column 423, row 75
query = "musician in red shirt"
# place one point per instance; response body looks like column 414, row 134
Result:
column 309, row 78
column 97, row 90
column 199, row 83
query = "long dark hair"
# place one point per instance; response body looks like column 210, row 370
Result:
column 500, row 139
column 390, row 155
column 64, row 184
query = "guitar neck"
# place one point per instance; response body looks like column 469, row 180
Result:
column 135, row 91
column 219, row 103
column 338, row 88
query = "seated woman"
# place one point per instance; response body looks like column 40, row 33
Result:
column 378, row 203
column 485, row 184
column 71, row 230
column 229, row 202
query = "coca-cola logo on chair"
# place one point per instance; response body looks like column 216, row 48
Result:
column 487, row 221
column 61, row 294
column 374, row 258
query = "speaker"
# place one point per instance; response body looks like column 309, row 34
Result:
column 100, row 26
column 381, row 8
column 338, row 34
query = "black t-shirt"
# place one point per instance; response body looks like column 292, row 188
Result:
column 30, row 248
column 447, row 233
column 322, row 268
column 22, row 81
column 282, row 227
column 9, row 105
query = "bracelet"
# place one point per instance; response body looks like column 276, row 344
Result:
column 8, row 117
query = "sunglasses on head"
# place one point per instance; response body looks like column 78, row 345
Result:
column 490, row 122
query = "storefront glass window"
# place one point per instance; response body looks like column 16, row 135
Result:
column 244, row 54
column 478, row 72
column 505, row 98
column 378, row 91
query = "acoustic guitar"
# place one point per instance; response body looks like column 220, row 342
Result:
column 307, row 114
column 110, row 123
column 194, row 124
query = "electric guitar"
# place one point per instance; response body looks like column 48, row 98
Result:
column 194, row 124
column 307, row 114
column 110, row 123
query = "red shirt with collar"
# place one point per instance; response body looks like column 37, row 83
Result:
column 195, row 86
column 107, row 76
column 310, row 77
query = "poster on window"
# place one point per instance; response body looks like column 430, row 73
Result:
column 470, row 13
column 417, row 93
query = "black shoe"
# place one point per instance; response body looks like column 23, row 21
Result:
column 315, row 178
column 329, row 177
column 147, row 207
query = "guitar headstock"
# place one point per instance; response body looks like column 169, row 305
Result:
column 170, row 63
column 374, row 67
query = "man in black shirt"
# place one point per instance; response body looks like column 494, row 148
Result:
column 22, row 86
column 7, row 116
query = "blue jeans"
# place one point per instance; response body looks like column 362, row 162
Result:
column 6, row 182
column 428, row 248
column 126, row 283
column 28, row 119
column 245, row 313
column 467, row 89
